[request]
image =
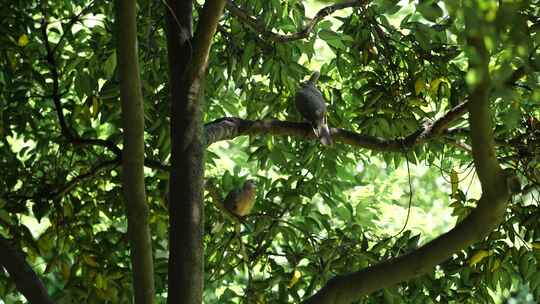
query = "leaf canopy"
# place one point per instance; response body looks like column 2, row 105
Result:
column 388, row 68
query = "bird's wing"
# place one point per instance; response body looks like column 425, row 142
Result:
column 231, row 200
column 310, row 103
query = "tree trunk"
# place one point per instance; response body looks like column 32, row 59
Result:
column 187, row 65
column 133, row 154
column 185, row 183
column 26, row 280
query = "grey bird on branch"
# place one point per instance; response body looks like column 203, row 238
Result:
column 310, row 103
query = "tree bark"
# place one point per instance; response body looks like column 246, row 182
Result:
column 133, row 154
column 26, row 280
column 187, row 64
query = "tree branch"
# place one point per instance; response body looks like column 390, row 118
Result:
column 481, row 125
column 231, row 127
column 260, row 28
column 72, row 22
column 67, row 187
column 26, row 280
column 53, row 69
column 202, row 39
column 66, row 131
column 477, row 225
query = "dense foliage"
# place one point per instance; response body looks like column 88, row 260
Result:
column 387, row 70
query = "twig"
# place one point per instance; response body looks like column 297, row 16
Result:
column 70, row 24
column 256, row 25
column 84, row 176
column 53, row 68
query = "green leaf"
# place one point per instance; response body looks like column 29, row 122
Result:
column 332, row 38
column 430, row 10
column 110, row 65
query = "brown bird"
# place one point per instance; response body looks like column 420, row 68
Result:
column 240, row 201
column 310, row 103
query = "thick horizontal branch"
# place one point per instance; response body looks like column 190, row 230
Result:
column 231, row 127
column 260, row 28
column 20, row 272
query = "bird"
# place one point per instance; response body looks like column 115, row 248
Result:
column 240, row 201
column 310, row 103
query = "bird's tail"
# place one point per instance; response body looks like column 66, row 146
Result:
column 323, row 132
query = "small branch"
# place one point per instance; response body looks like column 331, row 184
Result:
column 53, row 69
column 457, row 144
column 95, row 170
column 516, row 75
column 97, row 142
column 231, row 127
column 150, row 163
column 260, row 28
column 156, row 165
column 20, row 272
column 202, row 41
column 70, row 24
column 56, row 96
column 68, row 186
column 70, row 136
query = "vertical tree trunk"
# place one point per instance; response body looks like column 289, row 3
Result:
column 185, row 196
column 187, row 64
column 133, row 154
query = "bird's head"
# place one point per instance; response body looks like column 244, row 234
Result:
column 249, row 185
column 312, row 79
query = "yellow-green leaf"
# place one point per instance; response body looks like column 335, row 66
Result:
column 496, row 265
column 435, row 83
column 294, row 279
column 419, row 86
column 66, row 271
column 90, row 260
column 478, row 256
column 23, row 40
column 95, row 106
column 454, row 181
